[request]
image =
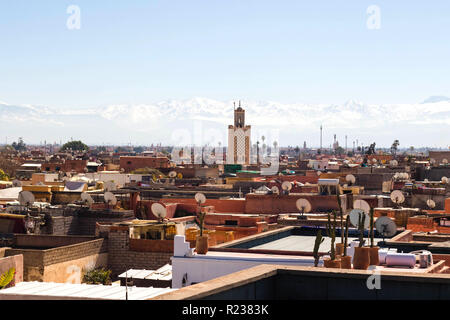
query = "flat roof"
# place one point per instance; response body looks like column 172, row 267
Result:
column 50, row 290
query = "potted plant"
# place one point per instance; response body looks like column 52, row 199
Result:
column 317, row 243
column 201, row 244
column 346, row 261
column 340, row 246
column 361, row 256
column 373, row 250
column 333, row 261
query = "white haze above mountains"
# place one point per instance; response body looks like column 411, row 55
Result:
column 421, row 124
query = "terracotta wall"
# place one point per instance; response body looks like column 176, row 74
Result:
column 220, row 206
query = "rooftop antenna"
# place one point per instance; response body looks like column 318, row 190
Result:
column 159, row 211
column 286, row 186
column 397, row 198
column 355, row 218
column 110, row 199
column 304, row 206
column 431, row 204
column 26, row 198
column 110, row 186
column 350, row 179
column 362, row 205
column 386, row 227
column 275, row 190
column 16, row 183
column 87, row 199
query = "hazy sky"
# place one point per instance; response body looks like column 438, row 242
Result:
column 136, row 51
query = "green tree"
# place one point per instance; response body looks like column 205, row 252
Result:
column 75, row 146
column 3, row 176
column 19, row 146
column 7, row 277
column 98, row 276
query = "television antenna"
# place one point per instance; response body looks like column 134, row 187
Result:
column 286, row 186
column 350, row 179
column 397, row 197
column 275, row 190
column 386, row 227
column 362, row 205
column 110, row 198
column 16, row 183
column 303, row 205
column 200, row 198
column 355, row 217
column 431, row 204
column 159, row 211
column 172, row 174
column 87, row 199
column 110, row 186
column 26, row 198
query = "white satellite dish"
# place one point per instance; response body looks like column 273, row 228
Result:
column 303, row 205
column 444, row 161
column 394, row 163
column 275, row 190
column 86, row 198
column 444, row 180
column 172, row 174
column 319, row 173
column 26, row 198
column 110, row 198
column 361, row 204
column 397, row 197
column 286, row 186
column 426, row 180
column 350, row 179
column 355, row 215
column 200, row 198
column 374, row 160
column 431, row 204
column 110, row 186
column 16, row 183
column 386, row 227
column 432, row 161
column 159, row 210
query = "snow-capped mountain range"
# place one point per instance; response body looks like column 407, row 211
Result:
column 203, row 120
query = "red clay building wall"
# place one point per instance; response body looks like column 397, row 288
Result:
column 132, row 163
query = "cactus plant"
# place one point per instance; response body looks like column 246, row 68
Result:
column 342, row 218
column 318, row 242
column 332, row 234
column 362, row 220
column 347, row 225
column 371, row 229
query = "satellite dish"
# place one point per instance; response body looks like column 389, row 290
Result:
column 374, row 161
column 286, row 186
column 362, row 205
column 86, row 198
column 16, row 183
column 110, row 186
column 431, row 204
column 200, row 198
column 180, row 175
column 394, row 163
column 159, row 210
column 432, row 161
column 110, row 198
column 26, row 198
column 355, row 215
column 319, row 173
column 172, row 174
column 275, row 190
column 444, row 180
column 444, row 161
column 303, row 205
column 386, row 227
column 397, row 197
column 350, row 179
